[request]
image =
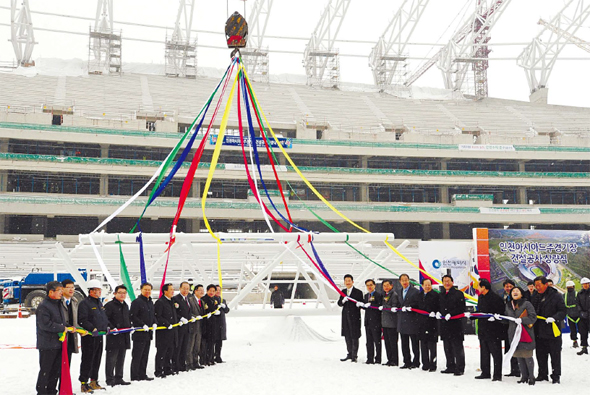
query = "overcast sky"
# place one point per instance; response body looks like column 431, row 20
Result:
column 366, row 20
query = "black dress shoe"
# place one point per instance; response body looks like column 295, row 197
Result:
column 353, row 360
column 458, row 374
column 541, row 378
column 425, row 368
column 146, row 378
column 483, row 376
column 522, row 381
column 346, row 359
column 369, row 362
column 122, row 382
column 160, row 375
column 377, row 362
column 554, row 379
column 432, row 369
column 219, row 360
column 512, row 374
column 497, row 378
column 406, row 366
column 197, row 366
column 447, row 371
column 531, row 381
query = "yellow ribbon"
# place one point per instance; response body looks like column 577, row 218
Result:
column 556, row 331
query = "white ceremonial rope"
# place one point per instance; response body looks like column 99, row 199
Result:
column 513, row 345
column 105, row 271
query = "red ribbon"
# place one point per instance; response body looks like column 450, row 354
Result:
column 65, row 382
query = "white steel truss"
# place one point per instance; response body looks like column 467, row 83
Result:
column 22, row 35
column 255, row 56
column 461, row 53
column 104, row 43
column 577, row 41
column 388, row 58
column 181, row 51
column 251, row 263
column 320, row 58
column 539, row 57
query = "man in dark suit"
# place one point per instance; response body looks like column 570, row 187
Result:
column 407, row 323
column 211, row 327
column 193, row 350
column 142, row 315
column 389, row 323
column 350, row 302
column 70, row 310
column 222, row 335
column 117, row 312
column 490, row 333
column 451, row 303
column 183, row 313
column 166, row 339
column 373, row 323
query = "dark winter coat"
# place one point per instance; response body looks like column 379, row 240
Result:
column 388, row 318
column 74, row 342
column 183, row 310
column 548, row 304
column 118, row 315
column 351, row 315
column 196, row 311
column 142, row 313
column 571, row 305
column 211, row 326
column 165, row 314
column 407, row 322
column 373, row 316
column 91, row 315
column 277, row 299
column 222, row 322
column 491, row 303
column 427, row 326
column 453, row 303
column 530, row 319
column 583, row 301
column 50, row 323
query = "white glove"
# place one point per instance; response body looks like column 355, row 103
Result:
column 222, row 305
column 380, row 308
column 447, row 317
column 359, row 304
column 184, row 320
column 467, row 314
column 155, row 326
column 394, row 309
column 132, row 331
column 198, row 317
column 409, row 308
column 146, row 328
column 180, row 323
column 432, row 314
column 438, row 315
column 367, row 305
column 491, row 319
column 404, row 309
column 170, row 327
column 518, row 321
column 217, row 312
column 345, row 299
column 114, row 331
column 497, row 317
column 550, row 320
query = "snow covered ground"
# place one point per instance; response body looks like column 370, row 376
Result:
column 284, row 355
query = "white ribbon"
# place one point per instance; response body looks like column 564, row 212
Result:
column 103, row 267
column 513, row 345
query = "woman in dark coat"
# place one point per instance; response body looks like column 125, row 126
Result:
column 523, row 310
column 428, row 326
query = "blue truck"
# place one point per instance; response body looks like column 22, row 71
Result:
column 30, row 290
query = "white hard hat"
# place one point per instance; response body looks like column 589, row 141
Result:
column 585, row 280
column 570, row 284
column 94, row 284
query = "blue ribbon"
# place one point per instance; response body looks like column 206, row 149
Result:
column 141, row 257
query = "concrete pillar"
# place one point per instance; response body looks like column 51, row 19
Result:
column 195, row 190
column 282, row 160
column 3, row 145
column 38, row 225
column 521, row 196
column 364, row 187
column 446, row 230
column 194, row 225
column 3, row 181
column 444, row 190
column 104, row 150
column 104, row 185
column 3, row 223
column 426, row 231
column 539, row 96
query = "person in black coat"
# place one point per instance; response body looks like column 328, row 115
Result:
column 222, row 334
column 451, row 303
column 490, row 333
column 50, row 323
column 277, row 300
column 583, row 301
column 211, row 327
column 92, row 317
column 166, row 339
column 428, row 300
column 142, row 315
column 70, row 312
column 351, row 317
column 373, row 323
column 548, row 303
column 183, row 313
column 389, row 323
column 194, row 350
column 117, row 312
column 407, row 323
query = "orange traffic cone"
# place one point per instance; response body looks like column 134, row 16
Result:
column 20, row 313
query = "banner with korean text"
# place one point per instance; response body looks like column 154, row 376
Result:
column 456, row 258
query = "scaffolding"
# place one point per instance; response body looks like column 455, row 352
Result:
column 181, row 58
column 256, row 63
column 104, row 52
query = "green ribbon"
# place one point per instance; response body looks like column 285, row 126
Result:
column 125, row 272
